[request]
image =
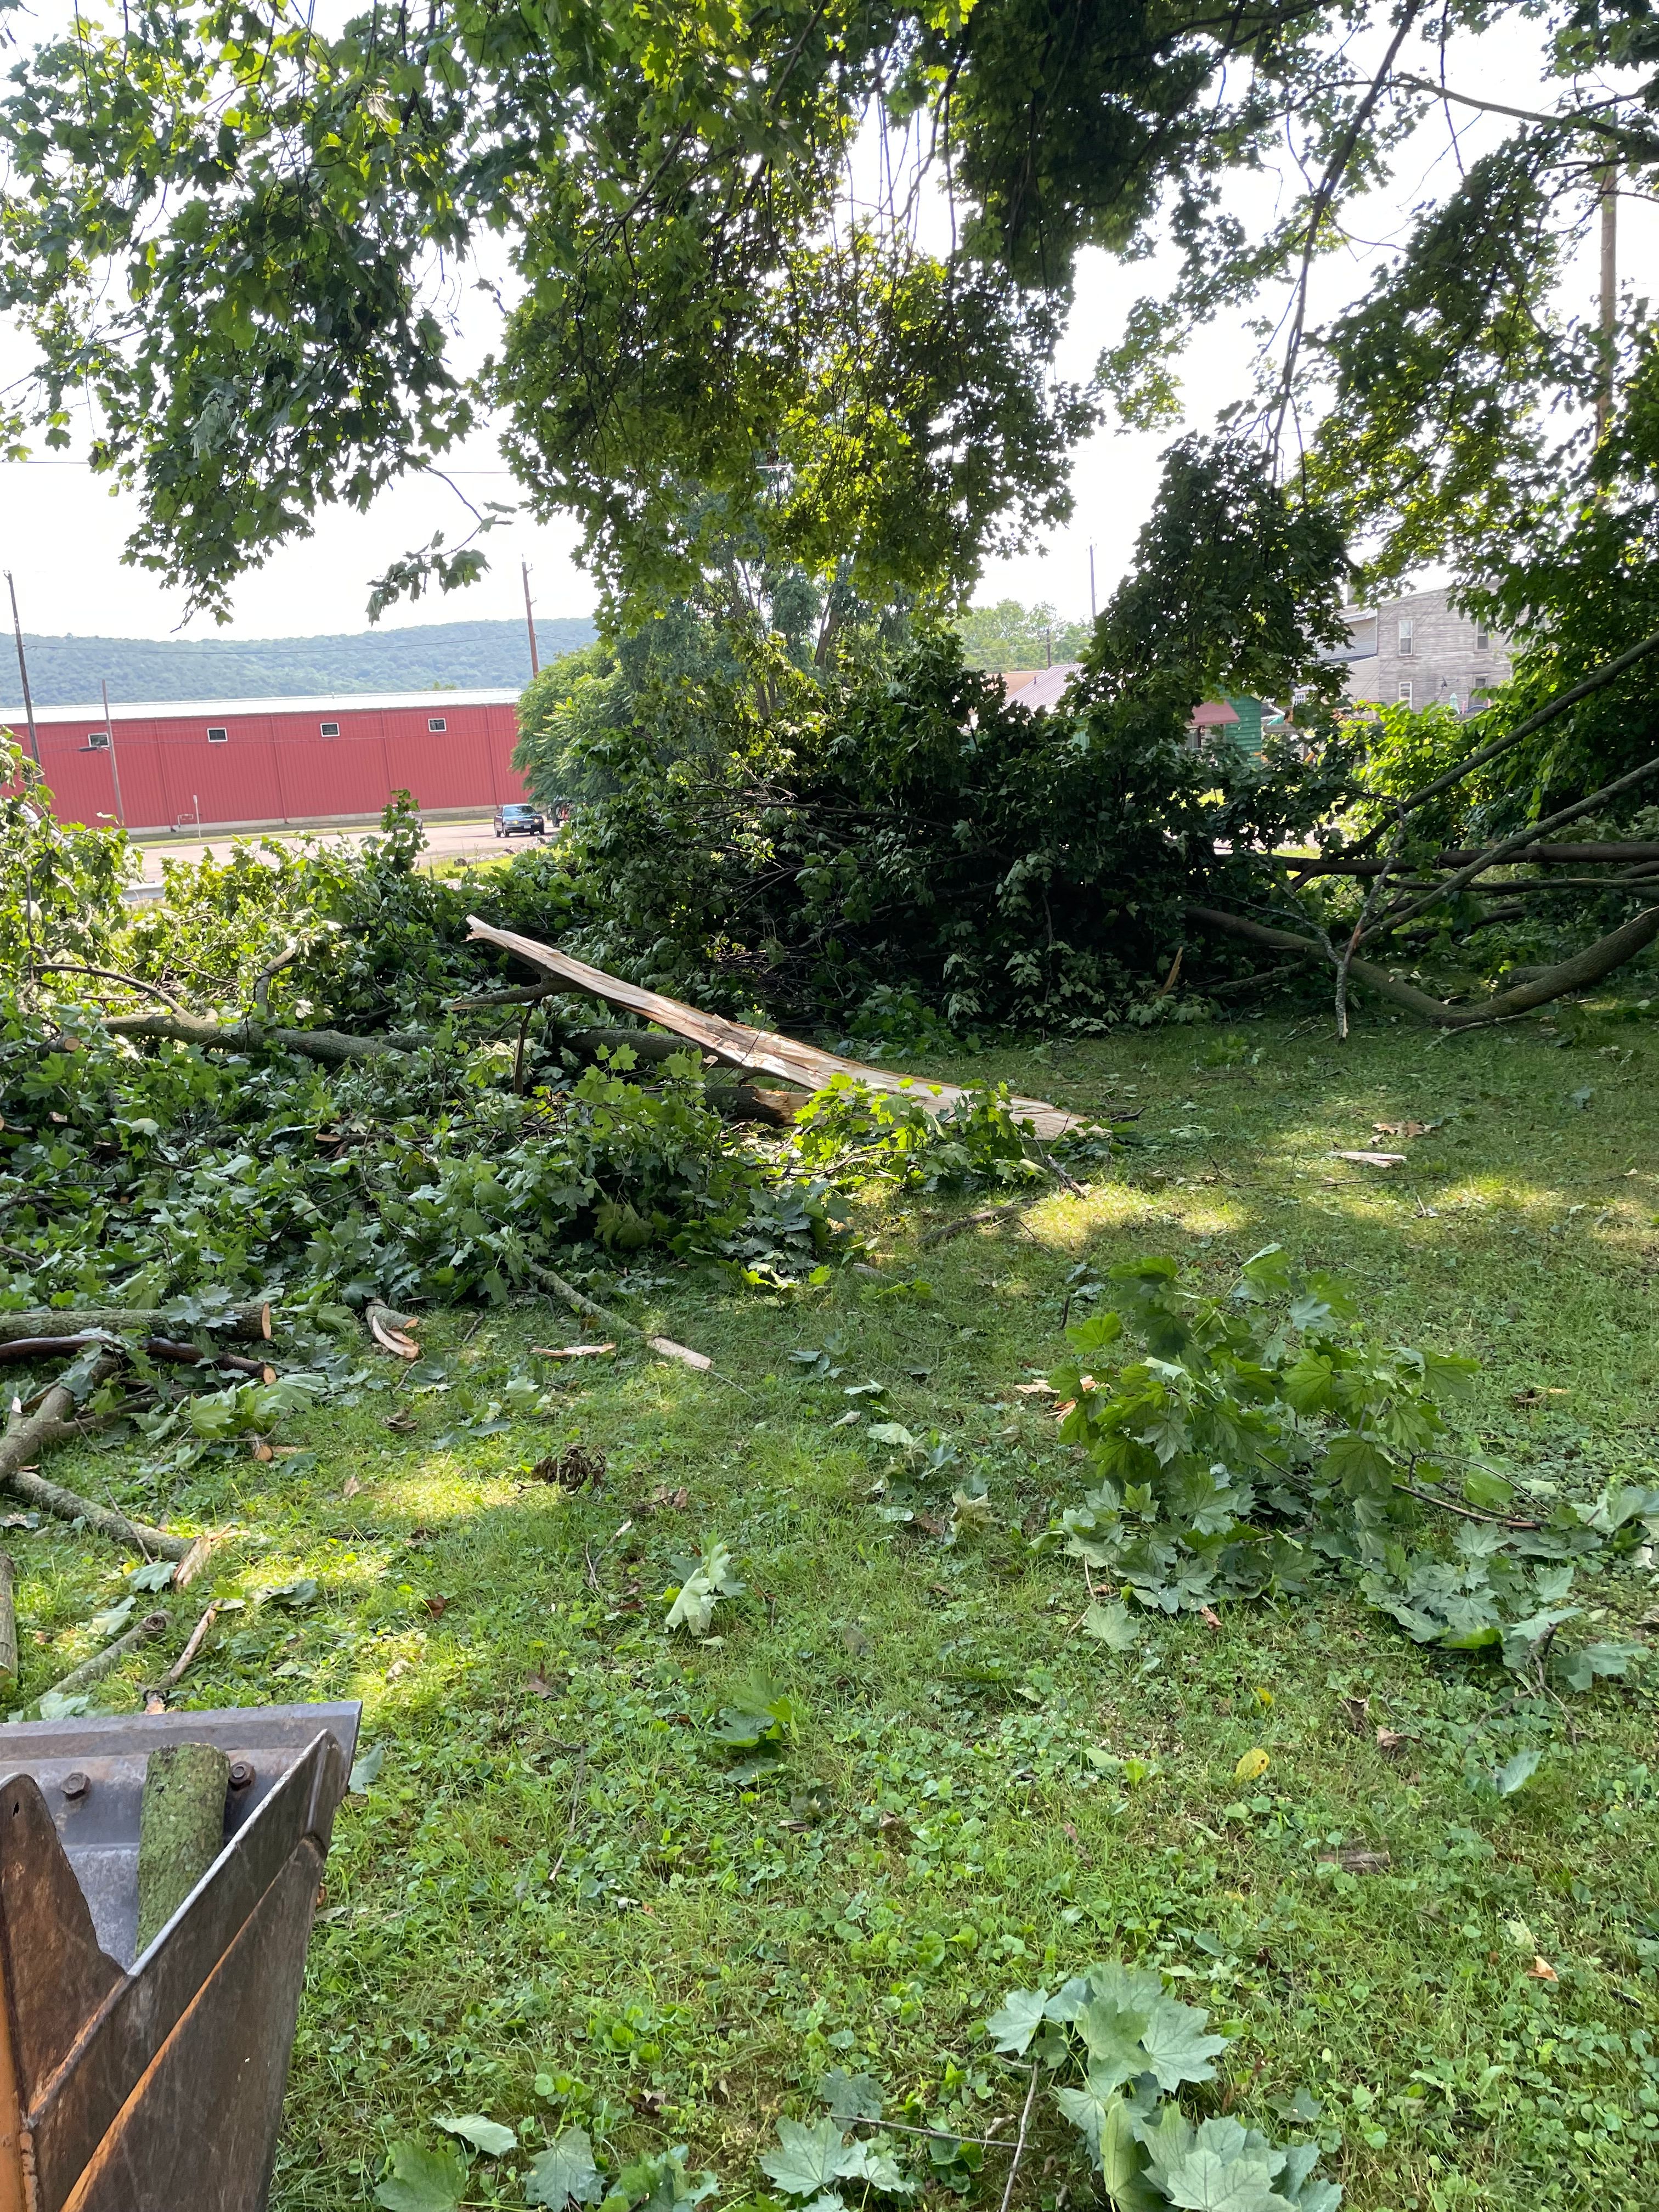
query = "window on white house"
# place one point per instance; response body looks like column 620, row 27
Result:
column 1406, row 695
column 1407, row 635
column 218, row 737
column 331, row 729
column 1482, row 639
column 434, row 721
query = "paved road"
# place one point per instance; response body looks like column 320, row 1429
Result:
column 445, row 841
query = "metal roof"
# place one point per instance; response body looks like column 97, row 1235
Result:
column 349, row 702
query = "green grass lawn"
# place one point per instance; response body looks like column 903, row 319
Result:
column 558, row 1902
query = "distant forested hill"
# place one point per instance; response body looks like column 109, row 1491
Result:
column 469, row 656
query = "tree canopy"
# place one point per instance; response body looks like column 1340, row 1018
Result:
column 729, row 297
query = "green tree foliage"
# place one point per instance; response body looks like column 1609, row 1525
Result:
column 908, row 827
column 1010, row 635
column 716, row 328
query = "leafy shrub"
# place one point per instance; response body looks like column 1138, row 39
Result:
column 1265, row 1441
column 851, row 1131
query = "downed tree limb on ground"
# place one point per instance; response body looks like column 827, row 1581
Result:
column 1576, row 974
column 578, row 1301
column 249, row 1323
column 333, row 1047
column 103, row 1662
column 26, row 1438
column 803, row 1066
column 389, row 1330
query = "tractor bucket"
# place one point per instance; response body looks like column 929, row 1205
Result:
column 155, row 2083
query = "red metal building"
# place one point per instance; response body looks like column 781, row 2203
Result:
column 249, row 763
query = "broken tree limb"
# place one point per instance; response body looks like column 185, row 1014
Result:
column 249, row 1323
column 175, row 1674
column 580, row 1303
column 1576, row 974
column 946, row 1230
column 112, row 975
column 1496, row 855
column 181, row 1828
column 334, row 1047
column 1524, row 728
column 1631, row 853
column 8, row 1625
column 763, row 1051
column 389, row 1329
column 103, row 1662
column 69, row 1506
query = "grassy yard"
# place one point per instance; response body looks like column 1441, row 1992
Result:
column 560, row 1901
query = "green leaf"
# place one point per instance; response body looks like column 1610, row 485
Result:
column 113, row 1618
column 1515, row 1773
column 1218, row 2167
column 1097, row 1333
column 366, row 1768
column 1017, row 2019
column 894, row 1434
column 1114, row 1625
column 564, row 2173
column 807, row 2159
column 154, row 1575
column 422, row 2180
column 1486, row 1490
column 1113, row 2040
column 485, row 2135
column 1355, row 1461
column 850, row 2096
column 1177, row 2049
column 302, row 1591
column 55, row 1707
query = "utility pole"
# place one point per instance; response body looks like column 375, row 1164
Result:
column 1610, row 298
column 114, row 772
column 530, row 621
column 1091, row 583
column 23, row 670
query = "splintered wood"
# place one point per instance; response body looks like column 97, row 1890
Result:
column 803, row 1066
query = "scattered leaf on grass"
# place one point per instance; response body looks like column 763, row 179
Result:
column 154, row 1575
column 351, row 1486
column 1114, row 1625
column 1357, row 1712
column 483, row 2134
column 539, row 1687
column 1253, row 1764
column 302, row 1591
column 1039, row 1388
column 422, row 2180
column 402, row 1424
column 1390, row 1740
column 437, row 1606
column 367, row 1767
column 1542, row 1971
column 565, row 2174
column 1401, row 1128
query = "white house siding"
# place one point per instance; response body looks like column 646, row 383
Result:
column 1443, row 661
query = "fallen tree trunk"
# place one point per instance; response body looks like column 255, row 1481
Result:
column 250, row 1323
column 1576, row 974
column 68, row 1505
column 765, row 1052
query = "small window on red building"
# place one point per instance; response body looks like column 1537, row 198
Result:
column 331, row 729
column 98, row 741
column 218, row 737
column 434, row 721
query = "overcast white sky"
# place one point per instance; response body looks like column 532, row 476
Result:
column 61, row 531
